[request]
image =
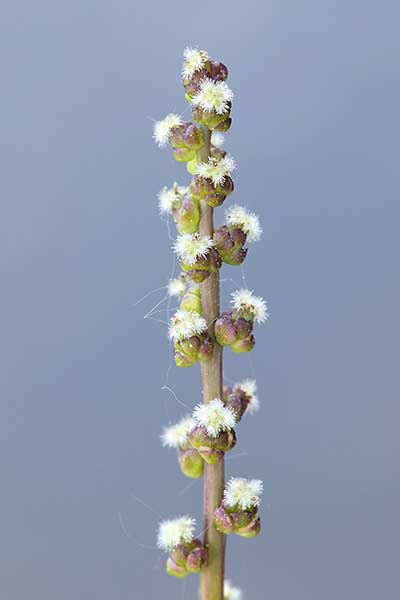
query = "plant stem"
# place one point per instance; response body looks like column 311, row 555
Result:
column 212, row 578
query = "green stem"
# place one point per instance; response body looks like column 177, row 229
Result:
column 212, row 578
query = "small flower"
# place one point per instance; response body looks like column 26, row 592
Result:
column 162, row 129
column 184, row 324
column 177, row 435
column 249, row 387
column 246, row 220
column 215, row 417
column 176, row 287
column 217, row 169
column 175, row 531
column 231, row 592
column 213, row 96
column 243, row 493
column 217, row 139
column 171, row 198
column 190, row 247
column 194, row 60
column 245, row 301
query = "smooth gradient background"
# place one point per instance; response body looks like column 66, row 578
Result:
column 316, row 138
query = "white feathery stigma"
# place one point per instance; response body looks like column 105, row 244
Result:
column 231, row 592
column 162, row 129
column 175, row 531
column 249, row 387
column 245, row 301
column 213, row 96
column 243, row 493
column 176, row 287
column 246, row 220
column 185, row 323
column 177, row 435
column 189, row 247
column 169, row 198
column 217, row 169
column 215, row 417
column 193, row 61
column 217, row 139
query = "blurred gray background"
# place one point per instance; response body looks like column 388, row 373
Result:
column 315, row 135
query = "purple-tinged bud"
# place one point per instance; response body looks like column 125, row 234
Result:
column 186, row 352
column 187, row 216
column 191, row 300
column 223, row 522
column 180, row 553
column 242, row 519
column 193, row 137
column 219, row 72
column 252, row 530
column 197, row 559
column 176, row 136
column 184, row 154
column 206, row 349
column 192, row 85
column 200, row 187
column 229, row 242
column 237, row 404
column 226, row 187
column 245, row 345
column 218, row 153
column 191, row 463
column 224, row 126
column 225, row 330
column 243, row 327
column 175, row 570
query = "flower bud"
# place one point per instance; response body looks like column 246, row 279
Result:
column 191, row 300
column 206, row 348
column 191, row 463
column 175, row 570
column 200, row 187
column 176, row 136
column 225, row 330
column 229, row 242
column 193, row 137
column 197, row 559
column 214, row 200
column 219, row 72
column 184, row 154
column 223, row 522
column 236, row 400
column 245, row 345
column 203, row 266
column 187, row 215
column 252, row 530
column 223, row 126
column 212, row 448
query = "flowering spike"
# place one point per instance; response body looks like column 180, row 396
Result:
column 246, row 220
column 243, row 493
column 175, row 531
column 249, row 306
column 213, row 96
column 214, row 417
column 162, row 129
column 217, row 170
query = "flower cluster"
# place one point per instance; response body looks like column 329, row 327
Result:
column 188, row 331
column 177, row 436
column 185, row 209
column 187, row 553
column 238, row 511
column 234, row 328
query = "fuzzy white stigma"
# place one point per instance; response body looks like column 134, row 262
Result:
column 246, row 220
column 249, row 387
column 213, row 96
column 231, row 592
column 243, row 493
column 178, row 434
column 215, row 417
column 217, row 139
column 184, row 324
column 245, row 301
column 176, row 287
column 217, row 169
column 162, row 129
column 190, row 247
column 193, row 61
column 175, row 531
column 171, row 198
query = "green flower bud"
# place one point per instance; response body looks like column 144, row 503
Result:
column 245, row 345
column 187, row 215
column 225, row 329
column 252, row 530
column 184, row 154
column 200, row 187
column 193, row 137
column 223, row 522
column 191, row 463
column 192, row 165
column 175, row 570
column 191, row 300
